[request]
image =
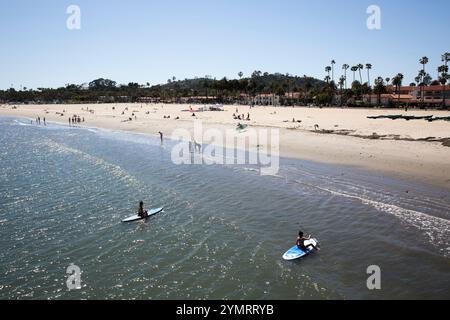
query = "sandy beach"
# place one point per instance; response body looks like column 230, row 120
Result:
column 344, row 136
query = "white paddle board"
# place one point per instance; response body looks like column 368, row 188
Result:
column 137, row 217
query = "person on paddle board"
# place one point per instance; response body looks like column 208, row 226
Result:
column 301, row 242
column 142, row 212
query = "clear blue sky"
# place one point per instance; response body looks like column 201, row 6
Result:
column 151, row 41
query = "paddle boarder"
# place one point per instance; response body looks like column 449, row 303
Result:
column 301, row 242
column 141, row 211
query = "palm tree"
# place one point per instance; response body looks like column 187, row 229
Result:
column 328, row 69
column 427, row 79
column 345, row 67
column 341, row 82
column 327, row 79
column 379, row 88
column 423, row 61
column 354, row 69
column 443, row 74
column 360, row 67
column 368, row 67
column 341, row 85
column 332, row 69
column 420, row 82
column 240, row 74
column 388, row 80
column 443, row 81
column 417, row 80
column 397, row 81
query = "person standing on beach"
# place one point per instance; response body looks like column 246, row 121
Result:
column 70, row 122
column 161, row 136
column 197, row 146
column 44, row 122
column 39, row 120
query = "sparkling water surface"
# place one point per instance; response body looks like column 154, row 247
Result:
column 64, row 192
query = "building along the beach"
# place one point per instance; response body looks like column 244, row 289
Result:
column 387, row 99
column 433, row 96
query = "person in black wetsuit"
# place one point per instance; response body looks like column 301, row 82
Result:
column 301, row 242
column 141, row 211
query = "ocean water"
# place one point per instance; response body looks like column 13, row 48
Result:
column 64, row 192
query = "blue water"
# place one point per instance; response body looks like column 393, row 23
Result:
column 64, row 191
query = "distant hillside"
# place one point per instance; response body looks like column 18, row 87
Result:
column 258, row 83
column 224, row 90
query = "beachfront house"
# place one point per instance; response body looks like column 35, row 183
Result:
column 291, row 98
column 387, row 99
column 433, row 96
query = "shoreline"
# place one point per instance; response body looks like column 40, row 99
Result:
column 410, row 156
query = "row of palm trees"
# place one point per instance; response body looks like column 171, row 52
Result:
column 345, row 67
column 444, row 76
column 423, row 78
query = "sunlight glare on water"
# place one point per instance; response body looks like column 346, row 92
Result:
column 64, row 192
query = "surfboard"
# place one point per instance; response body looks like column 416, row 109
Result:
column 296, row 253
column 137, row 217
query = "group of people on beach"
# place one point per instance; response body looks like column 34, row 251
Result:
column 176, row 118
column 241, row 117
column 194, row 146
column 38, row 121
column 75, row 119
